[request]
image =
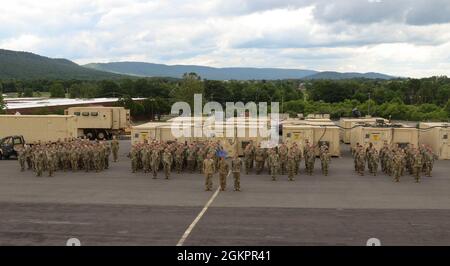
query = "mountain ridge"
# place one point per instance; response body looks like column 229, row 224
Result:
column 144, row 69
column 26, row 65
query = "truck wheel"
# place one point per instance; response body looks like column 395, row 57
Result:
column 90, row 135
column 101, row 135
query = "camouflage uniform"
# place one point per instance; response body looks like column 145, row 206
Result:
column 209, row 169
column 167, row 163
column 291, row 164
column 155, row 161
column 249, row 155
column 274, row 162
column 283, row 152
column 417, row 164
column 21, row 156
column 310, row 159
column 236, row 165
column 115, row 148
column 134, row 157
column 259, row 159
column 223, row 172
column 324, row 159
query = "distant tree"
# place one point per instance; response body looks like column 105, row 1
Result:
column 84, row 90
column 28, row 92
column 2, row 104
column 190, row 85
column 57, row 90
column 447, row 108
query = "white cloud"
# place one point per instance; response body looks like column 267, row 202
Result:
column 394, row 37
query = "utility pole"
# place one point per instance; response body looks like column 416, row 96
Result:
column 368, row 106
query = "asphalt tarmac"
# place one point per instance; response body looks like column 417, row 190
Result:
column 116, row 207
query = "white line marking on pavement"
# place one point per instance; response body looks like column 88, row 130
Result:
column 199, row 216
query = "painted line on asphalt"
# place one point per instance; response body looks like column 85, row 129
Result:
column 199, row 216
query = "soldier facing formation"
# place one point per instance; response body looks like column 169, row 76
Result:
column 394, row 160
column 68, row 155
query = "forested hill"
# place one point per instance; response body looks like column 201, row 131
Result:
column 24, row 65
column 228, row 73
column 212, row 73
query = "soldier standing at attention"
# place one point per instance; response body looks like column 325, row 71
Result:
column 417, row 164
column 107, row 154
column 209, row 168
column 146, row 159
column 259, row 159
column 297, row 157
column 39, row 162
column 155, row 162
column 223, row 172
column 274, row 164
column 324, row 159
column 21, row 156
column 167, row 162
column 86, row 158
column 360, row 160
column 397, row 165
column 310, row 154
column 179, row 159
column 51, row 156
column 248, row 157
column 190, row 158
column 283, row 152
column 291, row 164
column 74, row 159
column 133, row 157
column 236, row 165
column 383, row 154
column 115, row 148
column 374, row 162
column 428, row 157
column 201, row 153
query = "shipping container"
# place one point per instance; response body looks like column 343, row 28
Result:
column 436, row 136
column 35, row 128
column 399, row 134
column 347, row 124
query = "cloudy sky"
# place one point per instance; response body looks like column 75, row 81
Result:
column 398, row 37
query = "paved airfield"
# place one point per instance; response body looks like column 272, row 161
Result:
column 116, row 207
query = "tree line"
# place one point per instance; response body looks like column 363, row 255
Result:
column 405, row 99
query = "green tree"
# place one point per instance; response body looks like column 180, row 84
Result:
column 57, row 90
column 190, row 85
column 447, row 108
column 28, row 92
column 2, row 104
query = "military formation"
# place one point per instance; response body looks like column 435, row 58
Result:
column 67, row 155
column 282, row 160
column 394, row 160
column 203, row 157
column 208, row 158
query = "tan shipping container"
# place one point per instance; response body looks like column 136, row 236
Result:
column 316, row 133
column 436, row 136
column 36, row 128
column 347, row 124
column 378, row 135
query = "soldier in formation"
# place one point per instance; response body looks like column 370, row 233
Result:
column 236, row 166
column 150, row 157
column 394, row 160
column 68, row 155
column 325, row 159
